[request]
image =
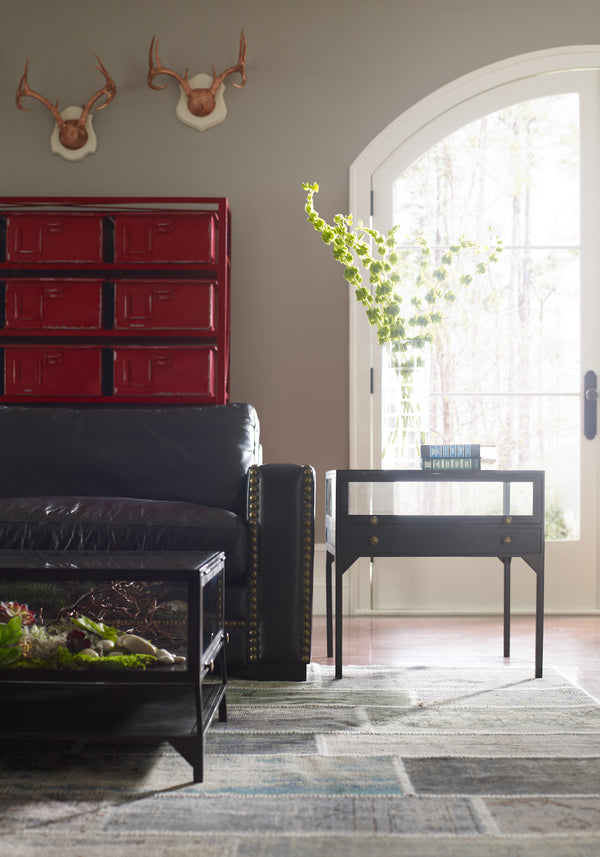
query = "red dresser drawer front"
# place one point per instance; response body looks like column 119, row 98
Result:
column 53, row 304
column 52, row 371
column 164, row 371
column 166, row 238
column 53, row 237
column 166, row 305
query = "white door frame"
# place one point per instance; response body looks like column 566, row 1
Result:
column 398, row 133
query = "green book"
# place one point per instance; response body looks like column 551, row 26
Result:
column 451, row 463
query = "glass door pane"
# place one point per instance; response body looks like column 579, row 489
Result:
column 505, row 369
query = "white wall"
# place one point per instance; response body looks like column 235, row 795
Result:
column 324, row 78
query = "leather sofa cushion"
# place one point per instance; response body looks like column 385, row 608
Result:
column 117, row 523
column 195, row 454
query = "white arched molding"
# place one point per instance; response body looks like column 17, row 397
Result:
column 431, row 110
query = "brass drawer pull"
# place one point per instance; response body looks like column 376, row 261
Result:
column 373, row 540
column 507, row 540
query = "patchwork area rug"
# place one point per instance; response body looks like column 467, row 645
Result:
column 386, row 761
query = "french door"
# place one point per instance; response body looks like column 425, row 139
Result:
column 519, row 156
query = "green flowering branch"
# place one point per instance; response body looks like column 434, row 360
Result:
column 404, row 298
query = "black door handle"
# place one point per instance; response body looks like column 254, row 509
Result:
column 589, row 404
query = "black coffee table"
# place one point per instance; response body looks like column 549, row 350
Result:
column 174, row 702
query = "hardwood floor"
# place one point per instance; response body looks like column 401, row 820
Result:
column 571, row 643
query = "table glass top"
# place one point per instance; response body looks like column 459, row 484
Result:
column 440, row 498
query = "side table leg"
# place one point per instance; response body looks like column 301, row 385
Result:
column 338, row 623
column 506, row 561
column 539, row 623
column 329, row 604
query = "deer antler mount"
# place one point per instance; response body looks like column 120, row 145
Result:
column 73, row 137
column 201, row 104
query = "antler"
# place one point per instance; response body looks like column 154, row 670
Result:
column 109, row 89
column 200, row 101
column 72, row 134
column 24, row 90
column 240, row 67
column 160, row 69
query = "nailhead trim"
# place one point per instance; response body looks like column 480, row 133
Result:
column 307, row 561
column 253, row 577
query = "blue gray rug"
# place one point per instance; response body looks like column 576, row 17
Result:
column 386, row 761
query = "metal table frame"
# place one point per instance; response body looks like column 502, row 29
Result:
column 350, row 536
column 172, row 703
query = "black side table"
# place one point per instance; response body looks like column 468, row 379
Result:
column 419, row 517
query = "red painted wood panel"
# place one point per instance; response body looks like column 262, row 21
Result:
column 166, row 305
column 53, row 237
column 115, row 299
column 56, row 304
column 164, row 371
column 52, row 370
column 166, row 237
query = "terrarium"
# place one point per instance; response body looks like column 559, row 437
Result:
column 99, row 624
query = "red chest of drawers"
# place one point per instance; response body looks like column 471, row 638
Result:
column 115, row 299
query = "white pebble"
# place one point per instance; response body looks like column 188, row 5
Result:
column 136, row 645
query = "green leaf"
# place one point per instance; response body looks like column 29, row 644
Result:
column 352, row 275
column 10, row 656
column 99, row 629
column 10, row 632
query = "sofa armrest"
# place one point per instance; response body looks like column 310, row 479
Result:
column 281, row 512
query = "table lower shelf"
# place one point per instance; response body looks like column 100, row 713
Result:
column 100, row 712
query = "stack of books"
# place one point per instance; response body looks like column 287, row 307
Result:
column 456, row 456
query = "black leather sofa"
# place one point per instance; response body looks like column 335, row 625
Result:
column 172, row 478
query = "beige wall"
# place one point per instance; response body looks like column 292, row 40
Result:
column 324, row 78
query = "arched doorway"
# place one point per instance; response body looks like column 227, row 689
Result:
column 381, row 192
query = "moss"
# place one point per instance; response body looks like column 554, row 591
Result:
column 63, row 659
column 36, row 594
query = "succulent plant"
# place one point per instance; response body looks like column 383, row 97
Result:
column 10, row 609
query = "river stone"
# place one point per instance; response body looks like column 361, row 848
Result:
column 91, row 653
column 136, row 645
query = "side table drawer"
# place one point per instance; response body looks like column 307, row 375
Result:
column 442, row 540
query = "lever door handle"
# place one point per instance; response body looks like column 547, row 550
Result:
column 589, row 405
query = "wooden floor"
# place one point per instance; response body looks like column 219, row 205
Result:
column 571, row 643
